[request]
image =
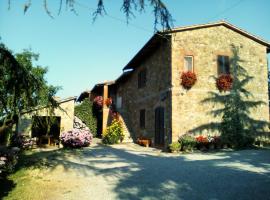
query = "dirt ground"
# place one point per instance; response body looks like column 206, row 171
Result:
column 129, row 171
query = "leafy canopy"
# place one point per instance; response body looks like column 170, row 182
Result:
column 22, row 85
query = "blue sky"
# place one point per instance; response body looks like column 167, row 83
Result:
column 80, row 54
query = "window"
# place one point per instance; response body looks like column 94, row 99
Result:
column 142, row 79
column 119, row 102
column 188, row 63
column 142, row 118
column 223, row 65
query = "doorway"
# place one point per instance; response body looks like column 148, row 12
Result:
column 159, row 126
column 46, row 128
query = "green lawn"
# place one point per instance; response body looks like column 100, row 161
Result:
column 30, row 179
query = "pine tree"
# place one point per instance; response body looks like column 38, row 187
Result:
column 237, row 126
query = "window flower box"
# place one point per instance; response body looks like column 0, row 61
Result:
column 224, row 82
column 189, row 78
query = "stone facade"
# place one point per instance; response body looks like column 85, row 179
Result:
column 66, row 112
column 164, row 63
column 156, row 93
column 205, row 45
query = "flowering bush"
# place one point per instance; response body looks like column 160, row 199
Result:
column 224, row 82
column 187, row 142
column 188, row 79
column 22, row 141
column 114, row 115
column 8, row 160
column 114, row 133
column 98, row 101
column 204, row 142
column 201, row 139
column 76, row 138
column 108, row 102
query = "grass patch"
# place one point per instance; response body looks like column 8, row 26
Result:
column 31, row 179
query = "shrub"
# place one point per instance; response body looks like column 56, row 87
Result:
column 188, row 79
column 84, row 112
column 175, row 147
column 224, row 82
column 21, row 141
column 187, row 142
column 76, row 138
column 238, row 140
column 114, row 133
column 205, row 142
column 8, row 160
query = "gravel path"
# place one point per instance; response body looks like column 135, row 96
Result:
column 128, row 171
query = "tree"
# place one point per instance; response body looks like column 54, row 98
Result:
column 237, row 127
column 161, row 13
column 22, row 86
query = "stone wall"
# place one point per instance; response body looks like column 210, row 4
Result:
column 204, row 45
column 66, row 112
column 154, row 94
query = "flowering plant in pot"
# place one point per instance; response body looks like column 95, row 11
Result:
column 202, row 142
column 175, row 147
column 224, row 82
column 188, row 79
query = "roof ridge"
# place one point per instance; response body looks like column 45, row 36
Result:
column 218, row 23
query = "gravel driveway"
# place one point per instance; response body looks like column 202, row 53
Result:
column 128, row 171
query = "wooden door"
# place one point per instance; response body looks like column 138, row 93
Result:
column 159, row 126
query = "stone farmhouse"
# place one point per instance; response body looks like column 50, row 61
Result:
column 34, row 123
column 149, row 95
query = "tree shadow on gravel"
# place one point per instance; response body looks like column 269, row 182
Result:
column 224, row 175
column 143, row 174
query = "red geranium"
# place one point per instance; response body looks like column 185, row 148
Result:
column 224, row 82
column 201, row 139
column 108, row 102
column 188, row 79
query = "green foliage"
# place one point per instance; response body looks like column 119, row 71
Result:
column 84, row 111
column 114, row 133
column 237, row 127
column 22, row 86
column 175, row 147
column 187, row 142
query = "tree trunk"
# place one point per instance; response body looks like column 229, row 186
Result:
column 7, row 124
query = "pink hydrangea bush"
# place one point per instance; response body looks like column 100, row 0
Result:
column 76, row 138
